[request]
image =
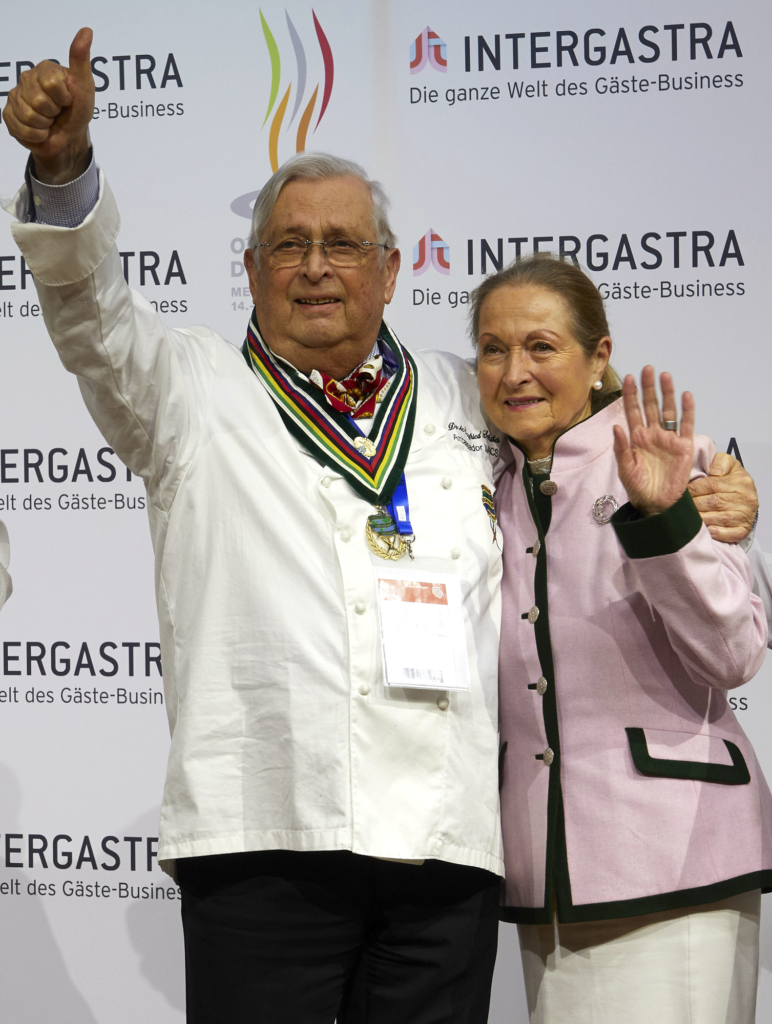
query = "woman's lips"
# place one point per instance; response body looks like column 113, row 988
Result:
column 522, row 404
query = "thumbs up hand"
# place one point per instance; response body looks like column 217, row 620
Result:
column 49, row 112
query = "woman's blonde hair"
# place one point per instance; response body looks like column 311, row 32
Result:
column 545, row 270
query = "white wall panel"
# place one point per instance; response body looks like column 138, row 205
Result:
column 617, row 164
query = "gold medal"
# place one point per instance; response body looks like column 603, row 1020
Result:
column 383, row 536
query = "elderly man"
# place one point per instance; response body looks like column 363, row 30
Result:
column 327, row 579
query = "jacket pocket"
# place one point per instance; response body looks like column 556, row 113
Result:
column 734, row 774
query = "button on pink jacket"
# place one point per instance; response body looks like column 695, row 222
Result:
column 628, row 785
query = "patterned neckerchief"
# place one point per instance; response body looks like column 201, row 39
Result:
column 359, row 392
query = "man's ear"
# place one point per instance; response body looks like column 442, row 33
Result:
column 249, row 263
column 393, row 262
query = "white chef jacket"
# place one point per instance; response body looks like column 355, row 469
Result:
column 283, row 735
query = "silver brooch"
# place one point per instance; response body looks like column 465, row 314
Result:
column 600, row 508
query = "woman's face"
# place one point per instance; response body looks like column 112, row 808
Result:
column 535, row 379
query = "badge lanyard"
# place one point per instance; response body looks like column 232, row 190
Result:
column 399, row 509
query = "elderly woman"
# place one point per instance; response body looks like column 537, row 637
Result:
column 637, row 823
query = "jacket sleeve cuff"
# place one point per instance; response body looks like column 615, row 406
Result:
column 663, row 534
column 62, row 256
column 63, row 206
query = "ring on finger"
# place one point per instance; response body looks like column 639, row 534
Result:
column 670, row 424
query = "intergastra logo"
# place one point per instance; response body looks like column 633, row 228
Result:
column 678, row 264
column 298, row 81
column 431, row 250
column 428, row 47
column 566, row 63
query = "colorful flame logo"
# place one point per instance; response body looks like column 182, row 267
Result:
column 431, row 250
column 300, row 87
column 428, row 47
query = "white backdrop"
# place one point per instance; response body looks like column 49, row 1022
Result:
column 657, row 136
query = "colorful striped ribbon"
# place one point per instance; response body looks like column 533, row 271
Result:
column 329, row 435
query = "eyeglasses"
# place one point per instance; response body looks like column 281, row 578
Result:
column 341, row 252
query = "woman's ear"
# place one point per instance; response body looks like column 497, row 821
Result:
column 602, row 356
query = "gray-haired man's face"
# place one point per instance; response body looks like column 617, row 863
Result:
column 318, row 313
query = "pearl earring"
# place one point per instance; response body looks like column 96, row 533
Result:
column 598, row 385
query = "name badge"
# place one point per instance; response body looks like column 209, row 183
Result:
column 422, row 629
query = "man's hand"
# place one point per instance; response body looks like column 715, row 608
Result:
column 49, row 112
column 726, row 499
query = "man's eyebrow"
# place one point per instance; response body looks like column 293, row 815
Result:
column 296, row 230
column 329, row 229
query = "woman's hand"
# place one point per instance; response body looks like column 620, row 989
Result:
column 654, row 463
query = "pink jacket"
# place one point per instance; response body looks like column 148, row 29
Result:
column 628, row 785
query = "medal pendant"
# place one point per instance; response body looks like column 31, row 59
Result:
column 365, row 446
column 384, row 537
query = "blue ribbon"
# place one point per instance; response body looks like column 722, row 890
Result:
column 399, row 508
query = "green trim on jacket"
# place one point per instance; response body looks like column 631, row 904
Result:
column 663, row 534
column 540, row 506
column 734, row 774
column 680, row 899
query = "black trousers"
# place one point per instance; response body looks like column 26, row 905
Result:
column 310, row 938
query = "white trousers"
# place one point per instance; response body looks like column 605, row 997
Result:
column 693, row 966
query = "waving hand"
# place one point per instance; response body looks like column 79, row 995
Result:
column 654, row 463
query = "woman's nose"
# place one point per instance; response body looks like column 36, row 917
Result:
column 517, row 368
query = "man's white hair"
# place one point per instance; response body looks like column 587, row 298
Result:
column 318, row 167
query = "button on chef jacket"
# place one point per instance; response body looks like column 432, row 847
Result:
column 283, row 735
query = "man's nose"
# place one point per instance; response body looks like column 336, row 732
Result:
column 316, row 264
